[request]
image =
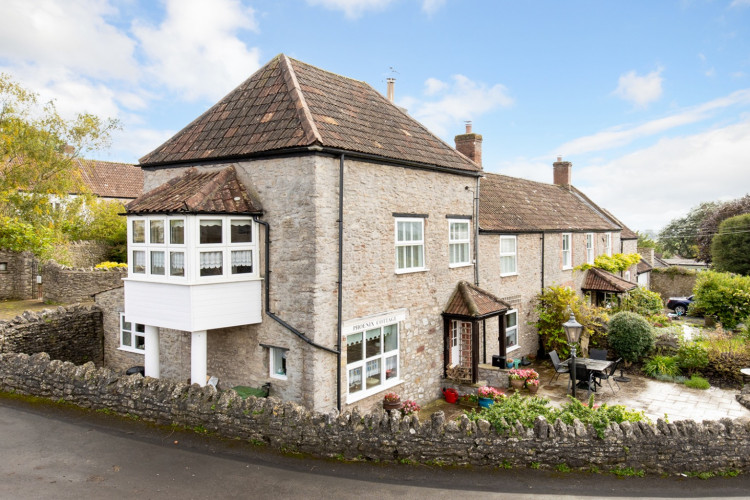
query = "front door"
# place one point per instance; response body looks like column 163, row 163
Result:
column 455, row 343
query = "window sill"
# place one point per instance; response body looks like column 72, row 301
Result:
column 278, row 377
column 409, row 271
column 508, row 275
column 567, row 268
column 130, row 349
column 465, row 264
column 371, row 392
column 511, row 349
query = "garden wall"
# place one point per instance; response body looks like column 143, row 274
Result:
column 677, row 447
column 87, row 253
column 65, row 284
column 672, row 281
column 72, row 334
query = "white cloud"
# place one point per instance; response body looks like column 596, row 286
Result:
column 195, row 51
column 354, row 9
column 73, row 34
column 661, row 182
column 740, row 3
column 457, row 101
column 620, row 136
column 432, row 6
column 640, row 90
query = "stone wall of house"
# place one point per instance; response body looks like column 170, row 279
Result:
column 65, row 284
column 87, row 253
column 673, row 281
column 17, row 277
column 68, row 333
column 663, row 448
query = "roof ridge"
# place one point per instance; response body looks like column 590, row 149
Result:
column 303, row 110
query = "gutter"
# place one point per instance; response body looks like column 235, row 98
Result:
column 267, row 280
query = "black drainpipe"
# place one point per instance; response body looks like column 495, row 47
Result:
column 542, row 261
column 268, row 291
column 339, row 306
column 476, row 234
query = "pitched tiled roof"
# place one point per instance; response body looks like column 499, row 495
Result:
column 604, row 281
column 470, row 300
column 643, row 267
column 626, row 233
column 204, row 192
column 289, row 104
column 513, row 204
column 111, row 180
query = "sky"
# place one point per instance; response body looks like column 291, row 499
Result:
column 649, row 100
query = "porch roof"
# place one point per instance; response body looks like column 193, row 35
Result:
column 603, row 281
column 470, row 300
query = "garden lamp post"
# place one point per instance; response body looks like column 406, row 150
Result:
column 573, row 331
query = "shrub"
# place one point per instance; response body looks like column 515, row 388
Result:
column 630, row 336
column 110, row 265
column 643, row 302
column 667, row 341
column 692, row 357
column 723, row 295
column 553, row 307
column 600, row 417
column 658, row 320
column 730, row 247
column 697, row 382
column 661, row 365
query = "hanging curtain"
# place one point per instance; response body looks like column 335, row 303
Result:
column 211, row 260
column 242, row 258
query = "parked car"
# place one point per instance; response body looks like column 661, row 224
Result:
column 680, row 304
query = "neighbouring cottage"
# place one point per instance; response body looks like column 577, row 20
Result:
column 308, row 232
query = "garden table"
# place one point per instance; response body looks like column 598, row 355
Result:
column 592, row 365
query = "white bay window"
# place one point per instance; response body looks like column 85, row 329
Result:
column 372, row 360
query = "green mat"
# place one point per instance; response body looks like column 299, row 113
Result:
column 245, row 391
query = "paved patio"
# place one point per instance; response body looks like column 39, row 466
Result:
column 654, row 398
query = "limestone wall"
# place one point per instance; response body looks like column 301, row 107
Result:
column 673, row 281
column 87, row 253
column 662, row 448
column 66, row 285
column 17, row 278
column 68, row 333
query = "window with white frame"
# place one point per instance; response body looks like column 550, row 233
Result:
column 409, row 245
column 458, row 241
column 567, row 257
column 277, row 362
column 372, row 360
column 508, row 247
column 627, row 275
column 159, row 247
column 589, row 248
column 511, row 330
column 608, row 243
column 132, row 336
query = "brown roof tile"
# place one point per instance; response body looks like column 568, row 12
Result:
column 604, row 281
column 470, row 300
column 288, row 104
column 516, row 205
column 111, row 180
column 643, row 267
column 214, row 192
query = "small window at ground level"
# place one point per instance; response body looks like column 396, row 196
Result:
column 3, row 266
column 132, row 336
column 372, row 360
column 277, row 362
column 511, row 328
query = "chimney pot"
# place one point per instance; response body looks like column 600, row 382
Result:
column 391, row 84
column 468, row 127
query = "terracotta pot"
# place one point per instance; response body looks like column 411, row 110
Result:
column 517, row 384
column 532, row 388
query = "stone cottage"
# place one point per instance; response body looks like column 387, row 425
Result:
column 307, row 232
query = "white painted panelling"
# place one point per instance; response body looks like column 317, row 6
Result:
column 193, row 307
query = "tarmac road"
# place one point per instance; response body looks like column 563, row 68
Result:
column 51, row 451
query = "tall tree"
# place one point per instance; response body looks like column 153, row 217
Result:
column 680, row 236
column 710, row 224
column 730, row 247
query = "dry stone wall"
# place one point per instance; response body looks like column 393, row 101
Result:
column 65, row 284
column 671, row 448
column 673, row 281
column 17, row 279
column 68, row 333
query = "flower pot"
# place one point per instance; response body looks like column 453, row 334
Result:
column 517, row 384
column 485, row 402
column 388, row 406
column 509, row 363
column 533, row 388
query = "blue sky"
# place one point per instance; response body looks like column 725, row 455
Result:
column 649, row 100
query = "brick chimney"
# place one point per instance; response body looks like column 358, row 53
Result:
column 647, row 254
column 470, row 144
column 562, row 172
column 391, row 84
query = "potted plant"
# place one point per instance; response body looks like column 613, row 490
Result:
column 509, row 363
column 410, row 407
column 517, row 378
column 532, row 384
column 391, row 401
column 486, row 396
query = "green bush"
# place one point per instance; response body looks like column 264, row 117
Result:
column 697, row 382
column 661, row 365
column 642, row 301
column 630, row 336
column 692, row 357
column 723, row 295
column 553, row 307
column 730, row 247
